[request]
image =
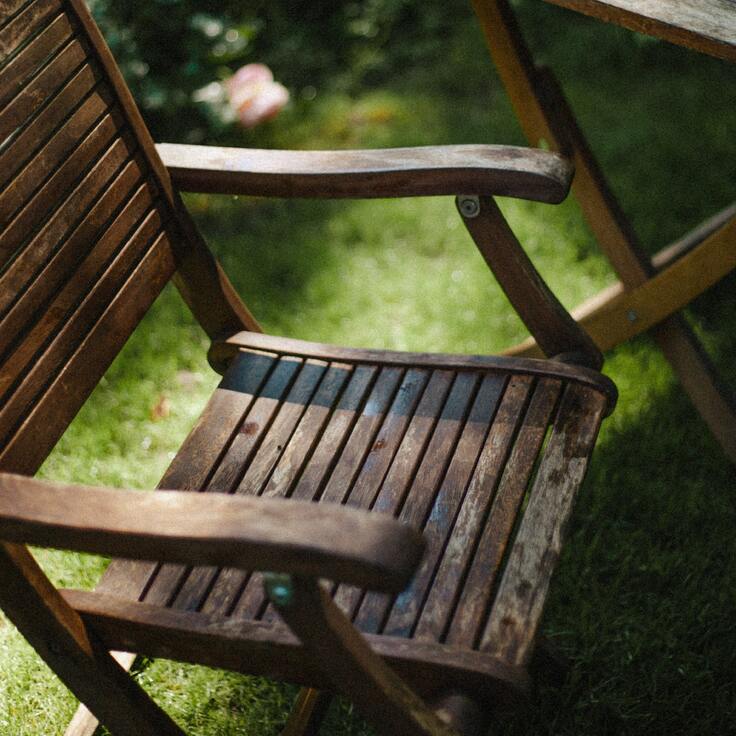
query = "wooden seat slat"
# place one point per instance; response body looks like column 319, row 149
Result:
column 406, row 607
column 307, row 434
column 512, row 626
column 32, row 382
column 33, row 136
column 395, row 479
column 85, row 170
column 282, row 427
column 36, row 94
column 447, row 584
column 233, row 463
column 471, row 608
column 339, row 428
column 56, row 150
column 27, row 23
column 79, row 260
column 32, row 57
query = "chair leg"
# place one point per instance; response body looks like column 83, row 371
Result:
column 307, row 713
column 466, row 715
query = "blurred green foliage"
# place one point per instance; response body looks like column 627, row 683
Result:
column 170, row 49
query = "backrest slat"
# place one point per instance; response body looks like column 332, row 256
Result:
column 74, row 267
column 57, row 150
column 84, row 217
column 16, row 153
column 50, row 415
column 25, row 25
column 36, row 93
column 75, row 327
column 33, row 56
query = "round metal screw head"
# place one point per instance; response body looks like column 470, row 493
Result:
column 468, row 206
column 279, row 588
column 631, row 315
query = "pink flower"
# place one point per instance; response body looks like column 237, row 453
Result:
column 254, row 96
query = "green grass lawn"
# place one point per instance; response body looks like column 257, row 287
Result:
column 644, row 602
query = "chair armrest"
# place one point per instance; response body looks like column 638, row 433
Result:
column 317, row 540
column 511, row 171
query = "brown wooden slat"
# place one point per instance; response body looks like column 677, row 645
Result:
column 258, row 471
column 337, row 433
column 246, row 442
column 196, row 459
column 300, row 446
column 8, row 8
column 30, row 59
column 72, row 333
column 38, row 131
column 40, row 90
column 223, row 350
column 512, row 626
column 388, row 441
column 329, row 448
column 243, row 446
column 357, row 446
column 308, row 431
column 72, row 270
column 101, row 342
column 40, row 248
column 197, row 584
column 458, row 553
column 444, row 512
column 51, row 156
column 21, row 28
column 470, row 611
column 53, row 195
column 362, row 436
column 282, row 427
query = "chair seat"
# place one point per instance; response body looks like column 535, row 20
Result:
column 449, row 444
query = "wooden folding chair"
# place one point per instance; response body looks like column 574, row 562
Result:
column 470, row 463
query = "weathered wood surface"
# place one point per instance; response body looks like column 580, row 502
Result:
column 545, row 115
column 291, row 536
column 399, row 172
column 555, row 330
column 271, row 649
column 432, row 445
column 353, row 667
column 62, row 639
column 283, row 345
column 708, row 26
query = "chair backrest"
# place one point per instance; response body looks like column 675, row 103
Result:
column 89, row 225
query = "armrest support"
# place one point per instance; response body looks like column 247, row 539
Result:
column 317, row 540
column 511, row 171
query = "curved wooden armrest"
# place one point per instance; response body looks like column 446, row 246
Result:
column 510, row 171
column 318, row 540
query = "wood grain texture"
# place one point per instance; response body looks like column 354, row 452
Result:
column 399, row 172
column 271, row 649
column 513, row 622
column 291, row 536
column 285, row 345
column 62, row 639
column 554, row 329
column 708, row 26
column 354, row 668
